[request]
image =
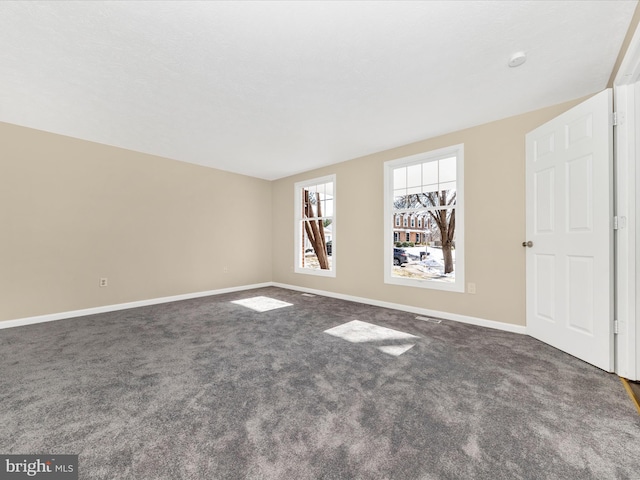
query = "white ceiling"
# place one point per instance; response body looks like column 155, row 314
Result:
column 270, row 89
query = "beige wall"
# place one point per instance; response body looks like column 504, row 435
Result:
column 494, row 224
column 73, row 211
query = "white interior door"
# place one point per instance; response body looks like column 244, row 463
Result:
column 569, row 227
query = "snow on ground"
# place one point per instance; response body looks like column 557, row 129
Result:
column 434, row 253
column 431, row 267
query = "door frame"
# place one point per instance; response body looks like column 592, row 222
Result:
column 626, row 94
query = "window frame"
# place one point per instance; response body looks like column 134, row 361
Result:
column 297, row 227
column 458, row 285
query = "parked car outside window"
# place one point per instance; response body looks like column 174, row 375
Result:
column 400, row 257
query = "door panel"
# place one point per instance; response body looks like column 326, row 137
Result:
column 544, row 294
column 544, row 214
column 580, row 194
column 580, row 294
column 569, row 213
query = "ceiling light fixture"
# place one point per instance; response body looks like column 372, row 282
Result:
column 517, row 59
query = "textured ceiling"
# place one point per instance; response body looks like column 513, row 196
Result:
column 270, row 89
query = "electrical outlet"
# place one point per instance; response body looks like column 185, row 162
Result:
column 471, row 288
column 225, row 269
column 103, row 282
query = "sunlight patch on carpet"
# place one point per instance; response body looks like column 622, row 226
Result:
column 262, row 304
column 395, row 350
column 357, row 331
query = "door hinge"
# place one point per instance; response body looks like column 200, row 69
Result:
column 616, row 327
column 615, row 223
column 617, row 118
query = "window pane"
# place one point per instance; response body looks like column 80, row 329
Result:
column 451, row 186
column 312, row 246
column 322, row 195
column 414, row 176
column 400, row 178
column 435, row 260
column 429, row 173
column 400, row 199
column 450, row 198
column 328, row 189
column 328, row 208
column 312, row 205
column 447, row 170
column 430, row 188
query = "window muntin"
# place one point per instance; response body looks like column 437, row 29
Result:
column 315, row 226
column 428, row 187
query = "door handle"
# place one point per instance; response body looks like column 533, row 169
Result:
column 527, row 244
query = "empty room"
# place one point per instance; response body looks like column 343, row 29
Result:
column 319, row 239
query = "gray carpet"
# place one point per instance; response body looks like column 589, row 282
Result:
column 208, row 389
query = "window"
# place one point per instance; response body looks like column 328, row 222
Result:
column 405, row 221
column 396, row 237
column 417, row 237
column 413, row 222
column 315, row 233
column 420, row 222
column 428, row 186
column 397, row 217
column 407, row 237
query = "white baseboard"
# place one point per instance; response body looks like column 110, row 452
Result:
column 123, row 306
column 154, row 301
column 507, row 327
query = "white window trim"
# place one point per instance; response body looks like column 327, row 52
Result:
column 458, row 285
column 298, row 186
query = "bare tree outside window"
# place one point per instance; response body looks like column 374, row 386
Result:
column 315, row 228
column 441, row 209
